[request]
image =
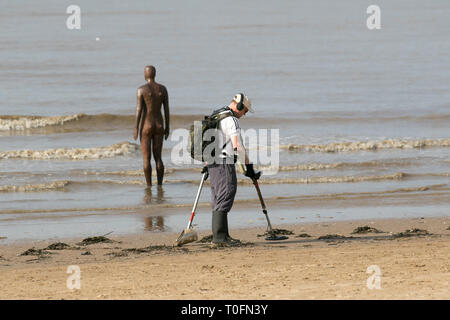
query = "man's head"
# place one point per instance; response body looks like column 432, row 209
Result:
column 149, row 72
column 240, row 105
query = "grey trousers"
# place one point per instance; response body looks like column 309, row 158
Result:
column 223, row 186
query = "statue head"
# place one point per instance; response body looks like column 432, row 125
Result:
column 150, row 72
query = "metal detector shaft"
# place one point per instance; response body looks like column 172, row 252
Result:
column 263, row 205
column 204, row 177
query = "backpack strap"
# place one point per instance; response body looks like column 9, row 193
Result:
column 221, row 117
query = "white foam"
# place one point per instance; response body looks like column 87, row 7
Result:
column 118, row 149
column 51, row 186
column 369, row 145
column 31, row 122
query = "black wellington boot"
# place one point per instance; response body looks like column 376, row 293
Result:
column 232, row 240
column 220, row 226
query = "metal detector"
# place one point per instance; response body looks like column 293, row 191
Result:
column 272, row 235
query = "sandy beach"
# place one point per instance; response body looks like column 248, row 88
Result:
column 350, row 130
column 332, row 263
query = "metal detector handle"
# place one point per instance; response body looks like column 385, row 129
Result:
column 205, row 171
column 204, row 177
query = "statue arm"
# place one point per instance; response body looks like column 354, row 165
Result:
column 138, row 113
column 166, row 114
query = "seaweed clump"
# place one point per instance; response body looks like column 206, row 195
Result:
column 93, row 240
column 40, row 253
column 303, row 235
column 276, row 232
column 206, row 239
column 57, row 246
column 366, row 229
column 148, row 249
column 412, row 233
column 232, row 244
column 157, row 248
column 333, row 237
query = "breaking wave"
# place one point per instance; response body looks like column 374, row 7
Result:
column 296, row 167
column 82, row 122
column 341, row 179
column 106, row 121
column 369, row 145
column 394, row 176
column 32, row 122
column 60, row 185
column 118, row 149
column 325, row 166
column 51, row 186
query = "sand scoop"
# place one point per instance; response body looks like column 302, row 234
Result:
column 189, row 234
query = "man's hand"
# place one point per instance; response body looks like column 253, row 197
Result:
column 205, row 170
column 166, row 133
column 250, row 172
column 135, row 133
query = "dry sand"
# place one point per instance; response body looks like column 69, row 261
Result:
column 414, row 267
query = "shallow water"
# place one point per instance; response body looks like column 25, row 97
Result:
column 357, row 111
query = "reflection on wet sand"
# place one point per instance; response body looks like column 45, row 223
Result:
column 154, row 223
column 150, row 199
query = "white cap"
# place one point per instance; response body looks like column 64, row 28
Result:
column 247, row 103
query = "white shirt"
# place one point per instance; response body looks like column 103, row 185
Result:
column 228, row 127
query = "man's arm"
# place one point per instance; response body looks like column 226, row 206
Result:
column 239, row 147
column 232, row 129
column 138, row 113
column 166, row 114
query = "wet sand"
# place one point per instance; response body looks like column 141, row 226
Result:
column 415, row 267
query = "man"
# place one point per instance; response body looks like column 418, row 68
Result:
column 223, row 173
column 149, row 123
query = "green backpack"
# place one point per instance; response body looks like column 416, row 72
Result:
column 200, row 139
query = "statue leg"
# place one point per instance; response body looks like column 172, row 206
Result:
column 146, row 144
column 157, row 150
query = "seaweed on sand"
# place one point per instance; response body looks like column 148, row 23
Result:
column 366, row 229
column 231, row 244
column 117, row 254
column 34, row 252
column 93, row 240
column 276, row 232
column 303, row 235
column 411, row 233
column 333, row 237
column 234, row 243
column 40, row 253
column 157, row 248
column 57, row 246
column 206, row 239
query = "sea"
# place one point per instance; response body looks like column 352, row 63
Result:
column 350, row 123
